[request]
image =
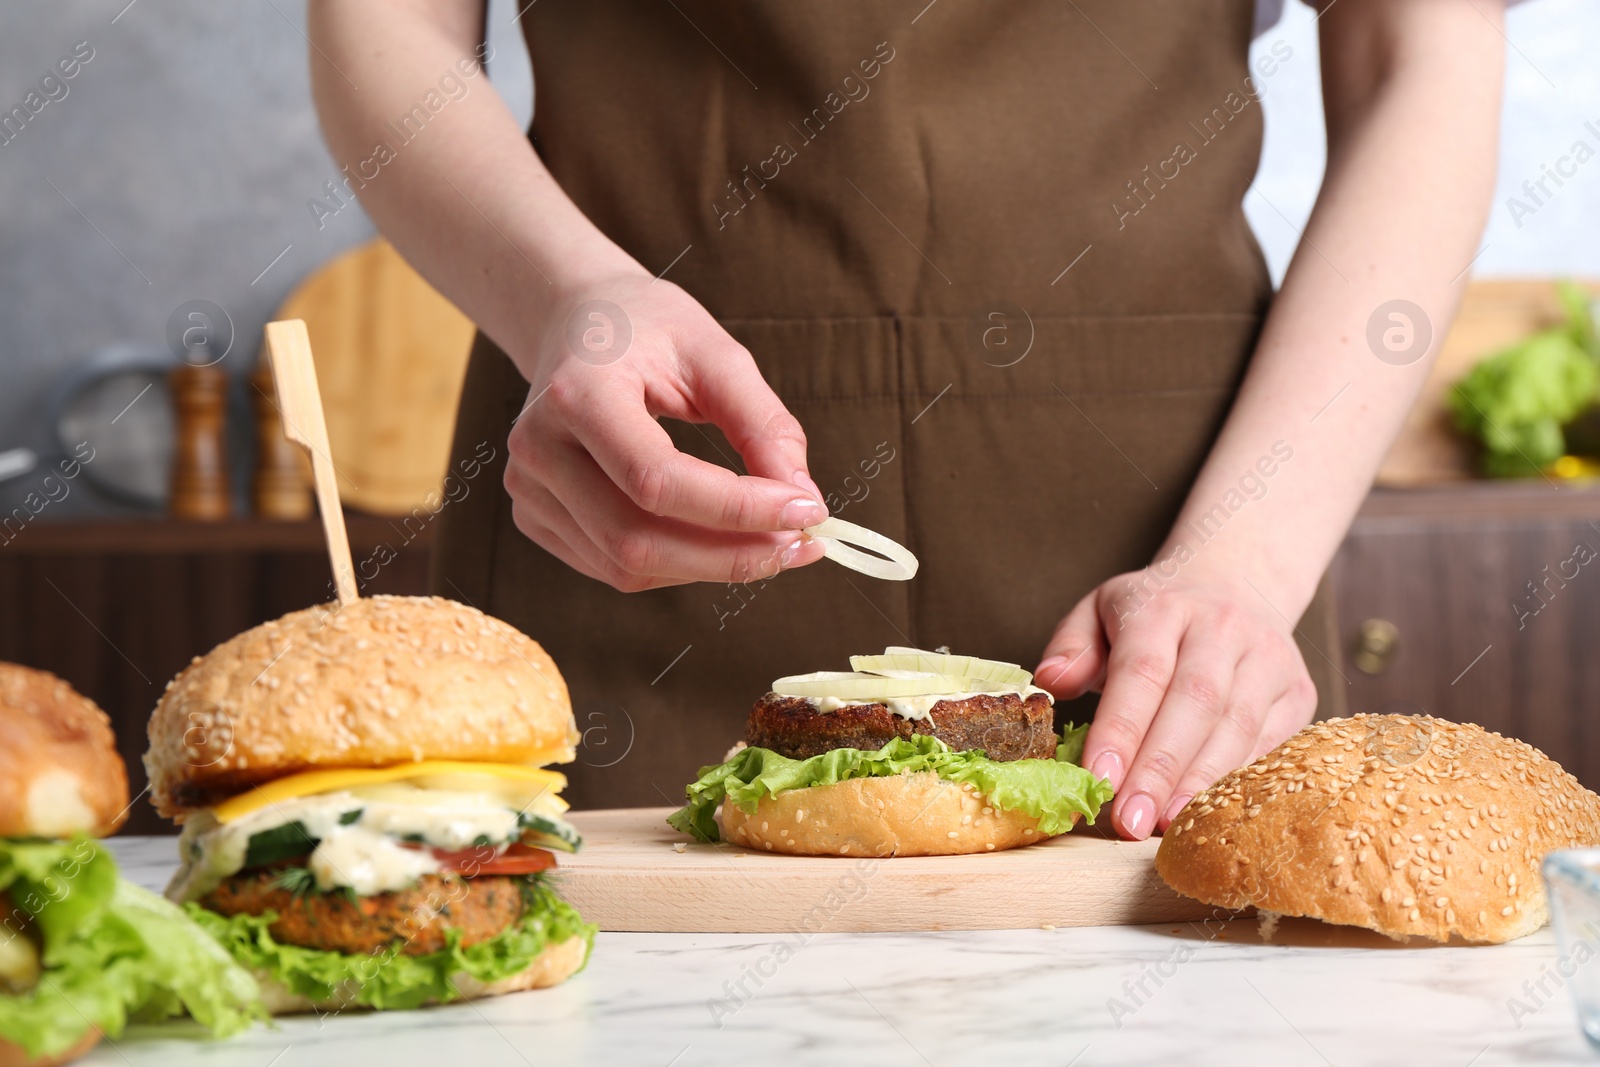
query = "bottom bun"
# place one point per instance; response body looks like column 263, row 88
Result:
column 551, row 967
column 14, row 1056
column 904, row 815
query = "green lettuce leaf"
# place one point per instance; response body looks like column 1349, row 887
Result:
column 1052, row 791
column 61, row 886
column 392, row 979
column 1519, row 401
column 111, row 951
column 1070, row 747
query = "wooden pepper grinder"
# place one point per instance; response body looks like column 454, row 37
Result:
column 282, row 488
column 199, row 487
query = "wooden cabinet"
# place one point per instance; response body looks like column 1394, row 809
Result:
column 1493, row 591
column 118, row 608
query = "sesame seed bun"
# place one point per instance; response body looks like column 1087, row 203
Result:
column 382, row 681
column 551, row 967
column 904, row 815
column 60, row 773
column 1408, row 825
column 13, row 1055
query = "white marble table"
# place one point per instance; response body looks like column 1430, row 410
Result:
column 1314, row 996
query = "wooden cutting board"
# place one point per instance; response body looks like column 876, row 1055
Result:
column 629, row 876
column 390, row 355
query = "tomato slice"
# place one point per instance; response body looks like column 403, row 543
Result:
column 516, row 859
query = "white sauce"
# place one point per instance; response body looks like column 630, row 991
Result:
column 448, row 820
column 366, row 855
column 918, row 707
column 367, row 862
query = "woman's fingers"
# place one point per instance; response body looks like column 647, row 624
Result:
column 1140, row 667
column 1222, row 753
column 1288, row 714
column 1202, row 687
column 1232, row 740
column 569, row 550
column 622, row 500
column 635, row 546
column 638, row 456
column 545, row 522
column 726, row 387
column 1074, row 662
column 1196, row 683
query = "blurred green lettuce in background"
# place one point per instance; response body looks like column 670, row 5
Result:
column 1518, row 400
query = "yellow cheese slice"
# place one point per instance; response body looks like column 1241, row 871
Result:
column 309, row 783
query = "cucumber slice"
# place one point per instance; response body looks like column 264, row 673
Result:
column 279, row 843
column 916, row 659
column 549, row 832
column 870, row 688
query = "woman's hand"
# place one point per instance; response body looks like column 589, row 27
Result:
column 1198, row 676
column 596, row 481
column 1200, row 672
column 592, row 476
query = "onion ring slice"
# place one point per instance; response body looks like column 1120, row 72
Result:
column 842, row 542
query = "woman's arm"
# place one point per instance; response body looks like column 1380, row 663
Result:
column 1196, row 655
column 593, row 477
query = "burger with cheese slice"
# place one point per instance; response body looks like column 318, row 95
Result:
column 910, row 753
column 82, row 950
column 367, row 812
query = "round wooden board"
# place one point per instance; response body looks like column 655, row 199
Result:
column 391, row 354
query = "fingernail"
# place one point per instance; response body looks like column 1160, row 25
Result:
column 1051, row 670
column 791, row 552
column 798, row 514
column 1177, row 806
column 1108, row 765
column 1137, row 816
column 803, row 480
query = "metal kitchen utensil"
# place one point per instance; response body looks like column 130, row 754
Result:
column 15, row 462
column 117, row 402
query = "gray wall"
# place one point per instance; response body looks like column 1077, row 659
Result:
column 188, row 142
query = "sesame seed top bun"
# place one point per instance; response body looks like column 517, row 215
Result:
column 382, row 681
column 59, row 769
column 1408, row 825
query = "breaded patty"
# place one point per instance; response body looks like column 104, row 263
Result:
column 1005, row 727
column 481, row 908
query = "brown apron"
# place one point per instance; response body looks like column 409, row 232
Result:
column 965, row 247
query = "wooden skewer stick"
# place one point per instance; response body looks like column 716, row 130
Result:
column 300, row 402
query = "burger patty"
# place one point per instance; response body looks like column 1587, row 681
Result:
column 1005, row 727
column 417, row 918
